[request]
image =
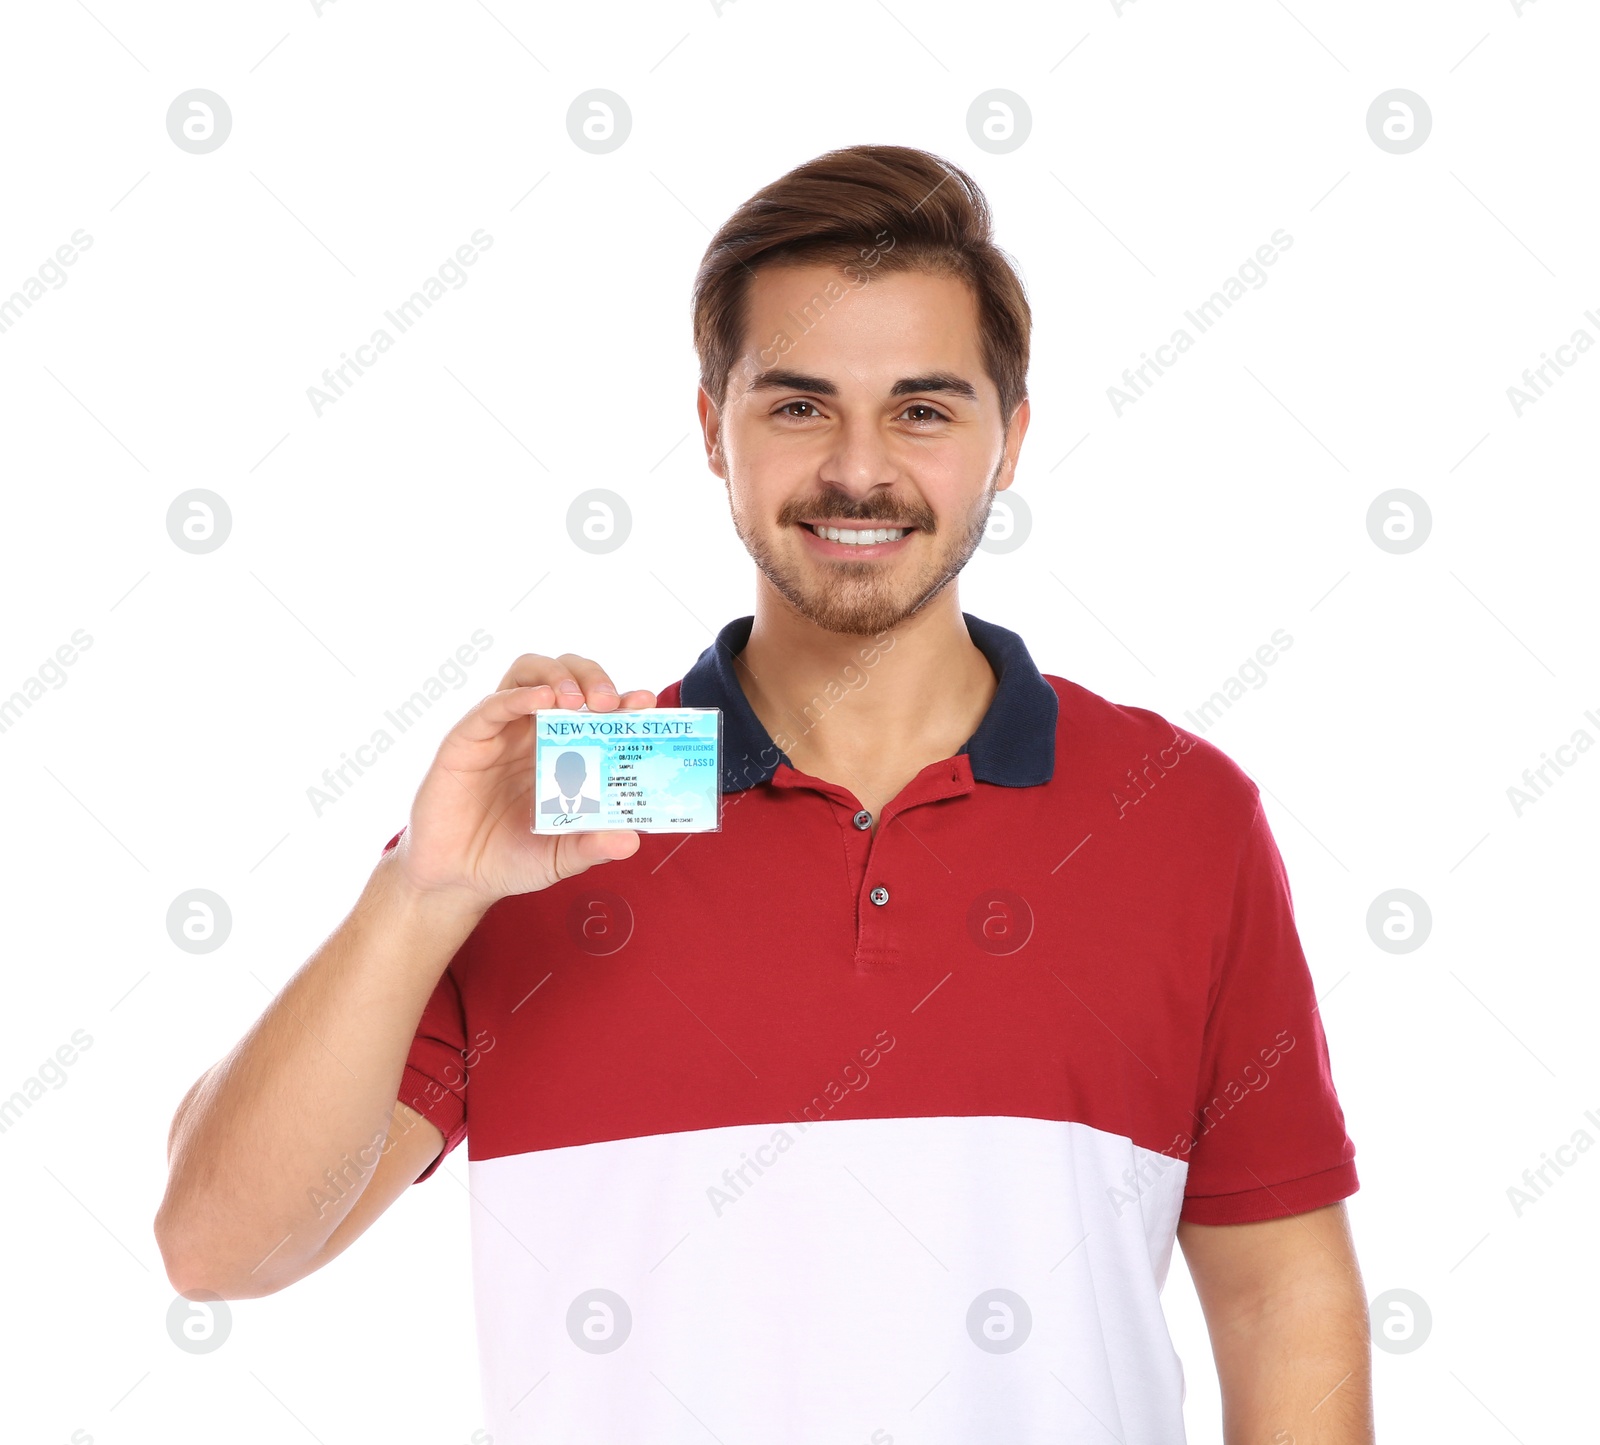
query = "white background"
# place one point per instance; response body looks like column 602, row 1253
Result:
column 369, row 543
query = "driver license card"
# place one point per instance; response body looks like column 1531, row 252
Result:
column 655, row 770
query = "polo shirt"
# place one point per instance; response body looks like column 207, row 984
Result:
column 801, row 1132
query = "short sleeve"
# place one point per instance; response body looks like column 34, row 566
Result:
column 434, row 1081
column 1270, row 1135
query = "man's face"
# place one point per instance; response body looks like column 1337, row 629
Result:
column 857, row 407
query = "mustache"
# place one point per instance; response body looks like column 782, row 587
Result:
column 888, row 510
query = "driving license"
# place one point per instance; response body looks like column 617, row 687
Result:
column 655, row 770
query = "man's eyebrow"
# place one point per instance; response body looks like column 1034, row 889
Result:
column 777, row 379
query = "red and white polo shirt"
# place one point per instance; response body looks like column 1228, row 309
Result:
column 800, row 1132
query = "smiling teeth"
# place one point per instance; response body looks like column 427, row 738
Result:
column 861, row 538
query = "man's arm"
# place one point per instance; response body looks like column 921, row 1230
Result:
column 308, row 1098
column 310, row 1087
column 414, row 1143
column 1287, row 1313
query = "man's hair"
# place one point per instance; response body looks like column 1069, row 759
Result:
column 874, row 209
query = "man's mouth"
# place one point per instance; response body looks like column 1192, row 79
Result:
column 851, row 534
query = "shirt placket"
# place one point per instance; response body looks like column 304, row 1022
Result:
column 878, row 861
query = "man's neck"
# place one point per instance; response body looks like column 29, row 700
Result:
column 872, row 722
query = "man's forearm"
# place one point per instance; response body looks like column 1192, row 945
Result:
column 1296, row 1369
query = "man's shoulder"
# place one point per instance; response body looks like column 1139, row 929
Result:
column 1114, row 739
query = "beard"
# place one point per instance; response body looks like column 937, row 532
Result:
column 865, row 598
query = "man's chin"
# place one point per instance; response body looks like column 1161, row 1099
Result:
column 852, row 611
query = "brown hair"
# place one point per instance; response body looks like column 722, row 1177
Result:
column 877, row 208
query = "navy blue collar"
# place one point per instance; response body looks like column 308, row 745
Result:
column 1014, row 746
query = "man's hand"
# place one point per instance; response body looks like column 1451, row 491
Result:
column 470, row 832
column 1287, row 1314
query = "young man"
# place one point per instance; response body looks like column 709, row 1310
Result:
column 875, row 1115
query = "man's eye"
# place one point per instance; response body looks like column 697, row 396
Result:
column 929, row 415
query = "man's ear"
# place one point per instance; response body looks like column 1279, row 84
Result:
column 711, row 433
column 1013, row 444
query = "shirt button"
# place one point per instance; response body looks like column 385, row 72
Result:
column 879, row 895
column 863, row 819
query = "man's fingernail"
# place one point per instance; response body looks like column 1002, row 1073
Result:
column 604, row 687
column 568, row 685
